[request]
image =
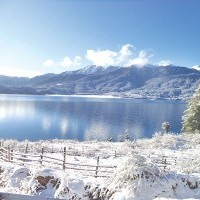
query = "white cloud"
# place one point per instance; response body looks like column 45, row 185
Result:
column 65, row 62
column 125, row 53
column 77, row 60
column 102, row 58
column 164, row 63
column 141, row 59
column 126, row 56
column 10, row 71
column 48, row 63
column 197, row 67
column 68, row 62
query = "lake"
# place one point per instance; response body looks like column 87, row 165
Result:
column 85, row 118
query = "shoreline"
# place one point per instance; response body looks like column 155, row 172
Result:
column 137, row 97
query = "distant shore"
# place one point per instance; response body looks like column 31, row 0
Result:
column 134, row 96
column 116, row 97
column 82, row 95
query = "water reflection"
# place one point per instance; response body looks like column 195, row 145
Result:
column 45, row 117
column 97, row 131
column 63, row 127
column 18, row 109
column 46, row 124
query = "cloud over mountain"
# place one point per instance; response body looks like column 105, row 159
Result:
column 197, row 67
column 126, row 56
column 70, row 62
column 165, row 62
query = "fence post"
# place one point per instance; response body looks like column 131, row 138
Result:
column 8, row 153
column 97, row 167
column 52, row 149
column 83, row 150
column 164, row 162
column 64, row 158
column 11, row 155
column 26, row 149
column 41, row 157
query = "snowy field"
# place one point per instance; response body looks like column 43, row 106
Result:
column 164, row 167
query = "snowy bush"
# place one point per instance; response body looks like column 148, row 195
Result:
column 166, row 126
column 134, row 167
column 137, row 178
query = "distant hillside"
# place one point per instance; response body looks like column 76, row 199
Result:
column 149, row 81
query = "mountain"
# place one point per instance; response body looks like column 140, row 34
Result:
column 149, row 81
column 93, row 69
column 6, row 80
column 90, row 70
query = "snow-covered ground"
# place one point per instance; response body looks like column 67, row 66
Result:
column 164, row 167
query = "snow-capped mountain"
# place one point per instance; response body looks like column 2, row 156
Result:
column 90, row 69
column 93, row 69
column 149, row 81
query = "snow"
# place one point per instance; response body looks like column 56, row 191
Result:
column 90, row 69
column 197, row 67
column 140, row 173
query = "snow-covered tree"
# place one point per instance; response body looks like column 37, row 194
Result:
column 191, row 119
column 166, row 126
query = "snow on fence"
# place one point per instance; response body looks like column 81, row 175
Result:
column 72, row 149
column 163, row 161
column 96, row 170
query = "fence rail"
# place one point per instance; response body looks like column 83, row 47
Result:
column 96, row 170
column 72, row 150
column 8, row 155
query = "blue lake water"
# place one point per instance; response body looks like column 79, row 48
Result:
column 85, row 118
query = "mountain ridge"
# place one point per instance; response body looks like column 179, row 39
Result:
column 150, row 81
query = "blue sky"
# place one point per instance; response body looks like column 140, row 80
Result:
column 38, row 37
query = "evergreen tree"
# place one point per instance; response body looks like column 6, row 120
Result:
column 191, row 119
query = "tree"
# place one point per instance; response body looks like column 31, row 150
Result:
column 191, row 118
column 166, row 126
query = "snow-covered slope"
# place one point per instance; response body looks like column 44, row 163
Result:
column 138, row 175
column 90, row 69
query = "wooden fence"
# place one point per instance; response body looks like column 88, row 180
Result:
column 72, row 150
column 96, row 170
